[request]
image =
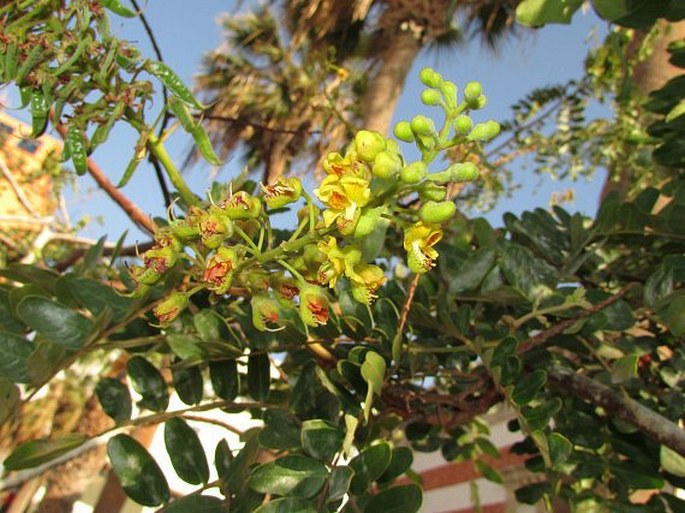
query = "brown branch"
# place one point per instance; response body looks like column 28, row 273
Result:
column 562, row 326
column 132, row 210
column 620, row 406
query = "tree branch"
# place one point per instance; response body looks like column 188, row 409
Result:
column 620, row 406
column 132, row 210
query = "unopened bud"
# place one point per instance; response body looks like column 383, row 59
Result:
column 404, row 132
column 369, row 144
column 386, row 165
column 484, row 131
column 414, row 172
column 433, row 212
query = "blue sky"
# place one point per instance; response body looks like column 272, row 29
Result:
column 186, row 30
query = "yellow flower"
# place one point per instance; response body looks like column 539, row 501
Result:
column 419, row 240
column 371, row 278
column 344, row 196
column 339, row 262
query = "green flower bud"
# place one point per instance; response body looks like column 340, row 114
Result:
column 312, row 255
column 242, row 206
column 170, row 308
column 391, row 146
column 482, row 102
column 430, row 77
column 144, row 276
column 220, row 268
column 403, row 131
column 472, row 91
column 431, row 191
column 464, row 172
column 423, row 126
column 431, row 97
column 386, row 165
column 283, row 192
column 165, row 237
column 368, row 221
column 449, row 89
column 313, row 305
column 484, row 131
column 433, row 212
column 369, row 144
column 463, row 125
column 414, row 172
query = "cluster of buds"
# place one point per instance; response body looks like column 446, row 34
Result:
column 366, row 187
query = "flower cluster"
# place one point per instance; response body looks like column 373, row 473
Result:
column 228, row 247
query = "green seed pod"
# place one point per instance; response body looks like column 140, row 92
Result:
column 433, row 212
column 423, row 126
column 430, row 97
column 414, row 172
column 430, row 77
column 472, row 91
column 484, row 131
column 403, row 131
column 386, row 165
column 431, row 191
column 463, row 125
column 465, row 172
column 368, row 144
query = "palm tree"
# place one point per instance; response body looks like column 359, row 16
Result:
column 273, row 87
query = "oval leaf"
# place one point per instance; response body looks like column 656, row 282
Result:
column 185, row 451
column 258, row 376
column 9, row 399
column 321, row 439
column 36, row 452
column 139, row 475
column 188, row 383
column 149, row 383
column 296, row 476
column 398, row 499
column 528, row 387
column 288, row 505
column 339, row 483
column 369, row 465
column 56, row 322
column 196, row 504
column 225, row 379
column 114, row 398
column 15, row 351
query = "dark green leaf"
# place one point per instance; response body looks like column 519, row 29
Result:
column 472, row 271
column 504, row 349
column 36, row 452
column 560, row 448
column 400, row 461
column 624, row 368
column 532, row 493
column 239, row 470
column 398, row 499
column 539, row 416
column 296, row 476
column 196, row 504
column 339, row 482
column 321, row 439
column 15, row 351
column 186, row 346
column 510, row 370
column 225, row 378
column 674, row 316
column 258, row 376
column 9, row 399
column 527, row 273
column 96, row 296
column 528, row 387
column 138, row 473
column 210, row 326
column 149, row 383
column 280, row 431
column 31, row 274
column 288, row 505
column 223, row 458
column 8, row 322
column 188, row 383
column 369, row 465
column 45, row 360
column 115, row 399
column 55, row 321
column 185, row 451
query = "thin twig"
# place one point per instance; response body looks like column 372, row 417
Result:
column 404, row 315
column 133, row 211
column 16, row 188
column 215, row 422
column 562, row 326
